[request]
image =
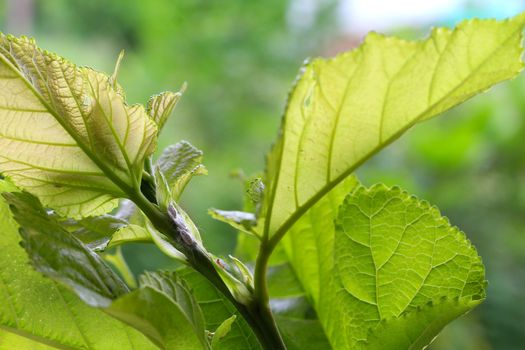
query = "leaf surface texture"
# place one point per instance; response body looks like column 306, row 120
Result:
column 345, row 109
column 66, row 135
column 36, row 307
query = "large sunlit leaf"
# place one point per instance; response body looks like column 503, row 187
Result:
column 66, row 134
column 392, row 269
column 309, row 243
column 345, row 109
column 37, row 308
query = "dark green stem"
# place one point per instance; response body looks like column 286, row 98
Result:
column 257, row 314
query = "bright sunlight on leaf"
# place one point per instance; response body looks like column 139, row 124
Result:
column 357, row 268
column 345, row 109
column 66, row 134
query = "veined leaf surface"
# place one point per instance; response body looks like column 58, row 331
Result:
column 392, row 270
column 66, row 135
column 37, row 308
column 179, row 163
column 344, row 110
column 161, row 106
column 61, row 256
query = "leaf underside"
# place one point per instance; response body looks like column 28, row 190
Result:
column 345, row 109
column 179, row 163
column 66, row 134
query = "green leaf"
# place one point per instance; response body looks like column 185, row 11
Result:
column 344, row 110
column 389, row 256
column 66, row 135
column 179, row 163
column 395, row 254
column 239, row 220
column 302, row 334
column 107, row 231
column 37, row 308
column 248, row 248
column 95, row 231
column 309, row 243
column 161, row 106
column 171, row 285
column 253, row 194
column 222, row 331
column 56, row 253
column 117, row 261
column 159, row 308
column 10, row 341
column 129, row 234
column 164, row 309
column 415, row 329
column 158, row 317
column 283, row 283
column 216, row 310
column 295, row 317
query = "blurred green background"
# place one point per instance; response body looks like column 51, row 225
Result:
column 240, row 59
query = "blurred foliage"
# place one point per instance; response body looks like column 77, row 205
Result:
column 239, row 59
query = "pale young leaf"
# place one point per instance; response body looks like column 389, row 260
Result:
column 66, row 134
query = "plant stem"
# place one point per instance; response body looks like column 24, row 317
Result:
column 257, row 314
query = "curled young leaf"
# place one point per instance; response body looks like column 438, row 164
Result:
column 223, row 330
column 161, row 106
column 179, row 163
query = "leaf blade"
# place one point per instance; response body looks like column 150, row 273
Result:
column 344, row 110
column 216, row 309
column 419, row 259
column 56, row 253
column 67, row 135
column 36, row 307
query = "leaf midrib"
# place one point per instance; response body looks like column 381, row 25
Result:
column 286, row 225
column 112, row 176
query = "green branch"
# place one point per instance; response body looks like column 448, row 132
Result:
column 256, row 314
